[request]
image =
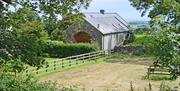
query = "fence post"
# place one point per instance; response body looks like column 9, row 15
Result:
column 76, row 61
column 46, row 66
column 104, row 53
column 83, row 59
column 62, row 63
column 54, row 65
column 95, row 55
column 37, row 70
column 70, row 62
column 89, row 57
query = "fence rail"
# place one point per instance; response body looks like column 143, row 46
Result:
column 62, row 63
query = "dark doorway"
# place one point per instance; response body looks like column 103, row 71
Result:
column 82, row 37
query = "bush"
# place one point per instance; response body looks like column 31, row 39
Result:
column 142, row 30
column 167, row 51
column 23, row 45
column 147, row 41
column 129, row 39
column 60, row 49
column 11, row 83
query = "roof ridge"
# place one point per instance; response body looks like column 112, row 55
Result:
column 99, row 13
column 121, row 18
column 107, row 13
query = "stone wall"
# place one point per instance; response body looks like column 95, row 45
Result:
column 96, row 36
column 128, row 48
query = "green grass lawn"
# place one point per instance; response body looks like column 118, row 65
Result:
column 51, row 69
column 156, row 77
column 147, row 41
column 142, row 39
column 49, row 59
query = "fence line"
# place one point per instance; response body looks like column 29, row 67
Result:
column 62, row 63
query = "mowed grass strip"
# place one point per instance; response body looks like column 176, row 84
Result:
column 56, row 65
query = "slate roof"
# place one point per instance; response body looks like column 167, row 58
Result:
column 107, row 23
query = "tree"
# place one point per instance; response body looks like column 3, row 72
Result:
column 22, row 31
column 167, row 50
column 165, row 18
column 62, row 25
column 21, row 37
column 21, row 16
column 22, row 46
column 167, row 8
column 52, row 9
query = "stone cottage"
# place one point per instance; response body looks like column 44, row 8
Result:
column 106, row 29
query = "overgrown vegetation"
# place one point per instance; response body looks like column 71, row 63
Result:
column 22, row 36
column 60, row 49
column 167, row 51
column 24, row 28
column 25, row 25
column 129, row 38
column 146, row 40
column 10, row 83
column 23, row 45
column 164, row 22
column 162, row 87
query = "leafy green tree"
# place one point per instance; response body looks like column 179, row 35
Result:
column 62, row 25
column 21, row 37
column 22, row 46
column 52, row 9
column 3, row 16
column 58, row 34
column 165, row 18
column 21, row 16
column 168, row 8
column 167, row 51
column 22, row 31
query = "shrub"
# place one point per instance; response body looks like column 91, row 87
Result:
column 60, row 49
column 11, row 83
column 147, row 41
column 23, row 45
column 129, row 39
column 142, row 30
column 167, row 51
column 163, row 87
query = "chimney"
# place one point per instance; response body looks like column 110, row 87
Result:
column 102, row 11
column 98, row 26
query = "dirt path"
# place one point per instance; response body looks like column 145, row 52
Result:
column 114, row 74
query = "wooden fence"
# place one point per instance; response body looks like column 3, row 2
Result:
column 68, row 62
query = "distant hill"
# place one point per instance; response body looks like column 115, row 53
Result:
column 139, row 22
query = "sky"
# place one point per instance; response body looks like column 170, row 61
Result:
column 122, row 7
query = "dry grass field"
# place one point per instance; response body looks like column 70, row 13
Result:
column 116, row 74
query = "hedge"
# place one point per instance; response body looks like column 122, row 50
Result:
column 60, row 49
